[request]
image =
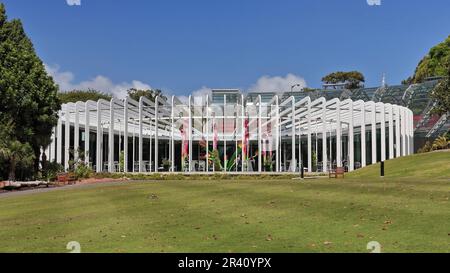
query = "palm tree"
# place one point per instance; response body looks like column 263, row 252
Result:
column 441, row 143
column 16, row 152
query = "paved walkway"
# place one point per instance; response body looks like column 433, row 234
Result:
column 42, row 190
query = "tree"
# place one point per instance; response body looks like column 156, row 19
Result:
column 12, row 150
column 150, row 94
column 441, row 94
column 28, row 93
column 83, row 95
column 17, row 152
column 435, row 63
column 351, row 80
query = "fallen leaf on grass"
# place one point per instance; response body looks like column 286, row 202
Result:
column 153, row 196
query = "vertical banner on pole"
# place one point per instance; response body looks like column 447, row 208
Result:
column 184, row 146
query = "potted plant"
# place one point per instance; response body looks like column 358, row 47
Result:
column 268, row 165
column 166, row 164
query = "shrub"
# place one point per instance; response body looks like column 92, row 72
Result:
column 426, row 148
column 440, row 143
column 51, row 170
column 82, row 170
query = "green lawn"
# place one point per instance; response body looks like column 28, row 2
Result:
column 407, row 211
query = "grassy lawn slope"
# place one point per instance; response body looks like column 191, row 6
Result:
column 407, row 211
column 426, row 165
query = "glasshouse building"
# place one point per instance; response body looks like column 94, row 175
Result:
column 228, row 131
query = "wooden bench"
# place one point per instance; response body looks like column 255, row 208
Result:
column 335, row 173
column 62, row 178
column 66, row 178
column 71, row 178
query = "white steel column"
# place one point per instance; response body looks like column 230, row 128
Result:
column 411, row 131
column 67, row 140
column 207, row 133
column 338, row 135
column 351, row 146
column 99, row 138
column 403, row 130
column 134, row 147
column 363, row 135
column 141, row 115
column 259, row 135
column 293, row 161
column 309, row 132
column 172, row 141
column 324, row 137
column 125, row 135
column 225, row 158
column 87, row 129
column 242, row 134
column 76, row 142
column 59, row 147
column 190, row 134
column 156, row 135
column 111, row 137
column 397, row 131
column 408, row 148
column 277, row 135
column 52, row 154
column 150, row 157
column 391, row 132
column 407, row 131
column 410, row 134
column 374, row 133
column 383, row 132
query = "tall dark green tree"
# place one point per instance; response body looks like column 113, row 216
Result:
column 27, row 93
column 441, row 93
column 435, row 63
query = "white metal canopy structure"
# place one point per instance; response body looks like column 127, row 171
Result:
column 238, row 135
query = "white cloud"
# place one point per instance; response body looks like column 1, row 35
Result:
column 197, row 95
column 73, row 2
column 277, row 83
column 65, row 80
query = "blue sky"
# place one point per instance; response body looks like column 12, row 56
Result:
column 186, row 45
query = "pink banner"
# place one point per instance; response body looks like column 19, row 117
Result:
column 246, row 137
column 215, row 138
